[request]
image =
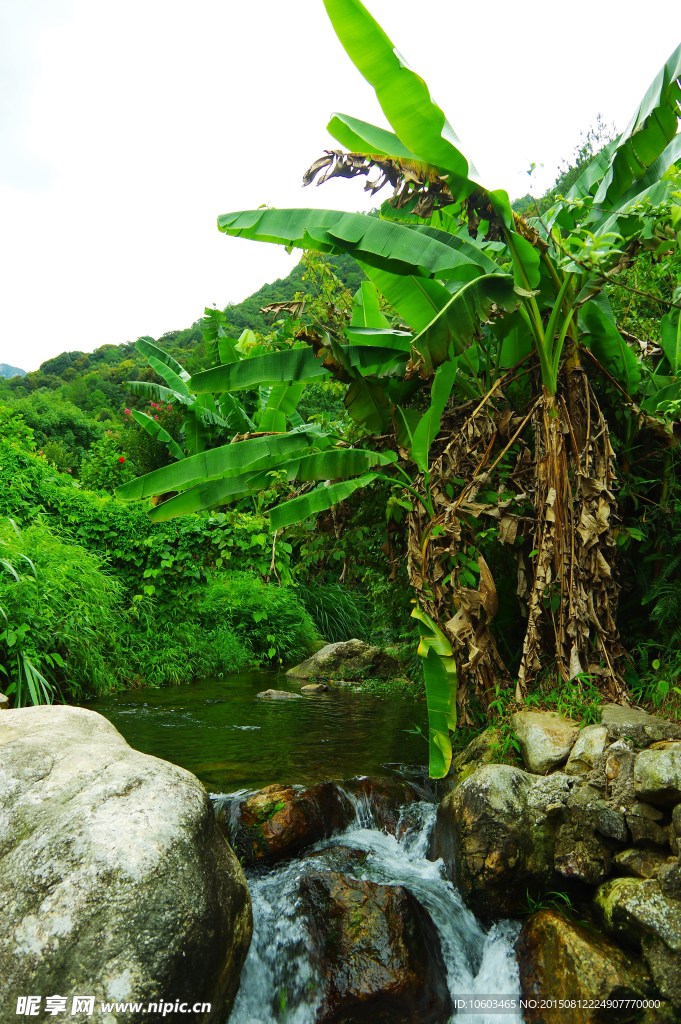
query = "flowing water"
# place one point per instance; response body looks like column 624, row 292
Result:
column 236, row 743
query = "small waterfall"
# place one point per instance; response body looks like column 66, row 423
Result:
column 279, row 984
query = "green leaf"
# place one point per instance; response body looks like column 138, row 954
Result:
column 154, row 352
column 403, row 95
column 281, row 403
column 651, row 129
column 196, row 434
column 526, row 259
column 367, row 403
column 429, row 425
column 457, row 323
column 397, row 248
column 232, row 459
column 360, row 137
column 670, row 329
column 147, row 390
column 173, row 381
column 416, row 299
column 366, row 312
column 609, row 347
column 439, row 670
column 319, row 500
column 206, row 495
column 155, row 429
column 297, row 365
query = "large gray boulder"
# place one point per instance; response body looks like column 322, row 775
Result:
column 351, row 659
column 657, row 776
column 636, row 725
column 114, row 879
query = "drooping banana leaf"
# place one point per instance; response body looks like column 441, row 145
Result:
column 670, row 330
column 206, row 495
column 217, row 462
column 478, row 258
column 456, row 324
column 319, row 500
column 172, row 379
column 439, row 670
column 154, row 428
column 383, row 338
column 389, row 246
column 651, row 129
column 196, row 433
column 153, row 351
column 366, row 309
column 416, row 299
column 367, row 402
column 292, row 365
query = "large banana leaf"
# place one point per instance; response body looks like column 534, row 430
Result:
column 149, row 350
column 292, row 365
column 360, row 137
column 457, row 323
column 381, row 338
column 154, row 429
column 230, row 459
column 416, row 299
column 454, row 240
column 206, row 495
column 390, row 246
column 172, row 379
column 196, row 433
column 609, row 347
column 402, row 94
column 319, row 500
column 366, row 309
column 651, row 129
column 367, row 402
column 670, row 330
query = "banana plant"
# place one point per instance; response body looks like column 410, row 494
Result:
column 477, row 290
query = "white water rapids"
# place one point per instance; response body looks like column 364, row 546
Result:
column 279, row 984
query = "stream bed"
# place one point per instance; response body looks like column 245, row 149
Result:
column 236, row 743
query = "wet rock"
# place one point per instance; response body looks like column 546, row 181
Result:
column 4, row 702
column 314, row 688
column 675, row 830
column 278, row 822
column 580, row 855
column 642, row 820
column 610, row 822
column 496, row 834
column 657, row 776
column 639, row 863
column 638, row 913
column 114, row 880
column 545, row 739
column 481, row 750
column 638, row 726
column 588, row 747
column 378, row 951
column 278, row 695
column 351, row 659
column 559, row 956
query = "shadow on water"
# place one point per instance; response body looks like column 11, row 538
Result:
column 231, row 740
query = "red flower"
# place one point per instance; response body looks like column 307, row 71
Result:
column 121, row 458
column 155, row 417
column 169, row 408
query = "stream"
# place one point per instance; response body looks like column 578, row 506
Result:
column 235, row 743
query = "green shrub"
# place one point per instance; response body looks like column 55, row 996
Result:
column 339, row 612
column 107, row 464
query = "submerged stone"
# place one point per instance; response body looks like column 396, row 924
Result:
column 378, row 951
column 114, row 879
column 278, row 695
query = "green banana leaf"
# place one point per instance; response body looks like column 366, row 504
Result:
column 389, row 246
column 670, row 329
column 416, row 299
column 457, row 323
column 293, row 365
column 429, row 424
column 145, row 389
column 366, row 309
column 360, row 137
column 196, row 433
column 205, row 495
column 439, row 670
column 478, row 258
column 231, row 459
column 609, row 347
column 383, row 338
column 651, row 129
column 153, row 351
column 281, row 403
column 526, row 272
column 319, row 500
column 403, row 95
column 367, row 402
column 154, row 428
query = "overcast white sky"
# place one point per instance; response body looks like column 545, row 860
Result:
column 126, row 127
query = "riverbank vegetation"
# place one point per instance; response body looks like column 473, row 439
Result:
column 454, row 428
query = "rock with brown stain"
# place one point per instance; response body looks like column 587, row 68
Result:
column 559, row 959
column 377, row 950
column 639, row 863
column 545, row 739
column 279, row 821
